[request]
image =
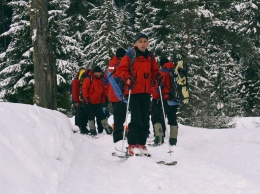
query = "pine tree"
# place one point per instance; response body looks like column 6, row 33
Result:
column 107, row 32
column 5, row 21
column 68, row 46
column 145, row 20
column 194, row 36
column 16, row 67
column 163, row 30
column 246, row 26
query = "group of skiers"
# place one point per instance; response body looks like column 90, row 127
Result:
column 139, row 78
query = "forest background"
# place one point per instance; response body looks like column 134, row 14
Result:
column 221, row 40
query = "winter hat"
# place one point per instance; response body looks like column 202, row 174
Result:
column 97, row 69
column 140, row 36
column 163, row 60
column 120, row 52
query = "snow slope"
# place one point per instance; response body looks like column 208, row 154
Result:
column 40, row 154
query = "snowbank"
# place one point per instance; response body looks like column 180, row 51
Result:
column 35, row 148
column 41, row 155
column 245, row 122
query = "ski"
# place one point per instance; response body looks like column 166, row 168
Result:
column 121, row 156
column 153, row 144
column 126, row 155
column 121, row 150
column 140, row 155
column 92, row 136
column 167, row 163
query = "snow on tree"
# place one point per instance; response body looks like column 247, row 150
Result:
column 248, row 49
column 107, row 32
column 16, row 66
column 145, row 20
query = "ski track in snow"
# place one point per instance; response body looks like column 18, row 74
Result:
column 140, row 175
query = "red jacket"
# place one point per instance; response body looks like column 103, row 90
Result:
column 143, row 71
column 166, row 83
column 113, row 63
column 76, row 90
column 93, row 88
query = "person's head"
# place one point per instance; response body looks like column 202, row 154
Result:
column 120, row 53
column 141, row 42
column 97, row 71
column 163, row 60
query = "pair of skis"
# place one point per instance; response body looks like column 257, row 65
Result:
column 125, row 155
column 167, row 163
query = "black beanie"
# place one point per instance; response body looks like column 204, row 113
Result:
column 163, row 60
column 120, row 52
column 140, row 36
column 97, row 69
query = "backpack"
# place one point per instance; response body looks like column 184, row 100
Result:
column 117, row 83
column 179, row 83
column 81, row 79
column 81, row 76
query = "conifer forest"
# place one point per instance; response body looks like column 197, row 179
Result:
column 219, row 38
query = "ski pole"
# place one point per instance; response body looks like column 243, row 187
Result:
column 125, row 124
column 167, row 132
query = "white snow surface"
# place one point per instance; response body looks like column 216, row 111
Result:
column 41, row 155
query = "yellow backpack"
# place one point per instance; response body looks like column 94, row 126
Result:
column 182, row 85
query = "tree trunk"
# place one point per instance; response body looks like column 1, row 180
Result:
column 45, row 91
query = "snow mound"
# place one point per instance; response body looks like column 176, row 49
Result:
column 245, row 123
column 35, row 148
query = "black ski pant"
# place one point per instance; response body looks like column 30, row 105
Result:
column 157, row 112
column 138, row 127
column 99, row 126
column 81, row 117
column 95, row 110
column 119, row 112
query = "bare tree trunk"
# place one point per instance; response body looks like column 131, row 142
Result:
column 45, row 91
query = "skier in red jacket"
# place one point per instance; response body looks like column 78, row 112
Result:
column 119, row 107
column 94, row 94
column 81, row 118
column 138, row 79
column 170, row 105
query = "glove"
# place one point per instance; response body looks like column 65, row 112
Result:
column 159, row 78
column 77, row 104
column 130, row 82
column 86, row 101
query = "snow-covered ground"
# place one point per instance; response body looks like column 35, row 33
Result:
column 41, row 155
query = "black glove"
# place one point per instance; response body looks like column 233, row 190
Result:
column 159, row 78
column 130, row 82
column 86, row 101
